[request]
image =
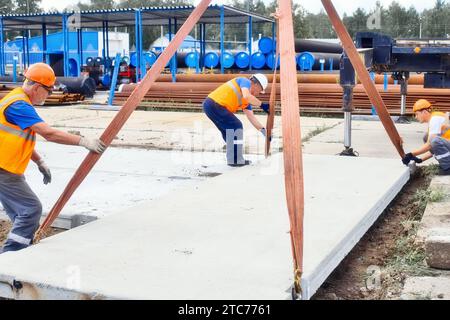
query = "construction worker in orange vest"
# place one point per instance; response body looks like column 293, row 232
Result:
column 437, row 141
column 221, row 105
column 19, row 124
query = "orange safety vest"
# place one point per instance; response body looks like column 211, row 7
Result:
column 16, row 145
column 229, row 96
column 445, row 130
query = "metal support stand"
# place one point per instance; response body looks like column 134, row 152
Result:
column 402, row 78
column 347, row 82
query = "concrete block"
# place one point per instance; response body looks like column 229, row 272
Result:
column 441, row 182
column 426, row 288
column 436, row 216
column 437, row 248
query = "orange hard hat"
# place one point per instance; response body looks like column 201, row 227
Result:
column 421, row 104
column 41, row 73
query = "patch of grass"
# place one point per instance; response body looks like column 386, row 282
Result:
column 408, row 257
column 431, row 170
column 425, row 196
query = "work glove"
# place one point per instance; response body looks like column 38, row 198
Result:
column 43, row 168
column 265, row 107
column 409, row 157
column 94, row 145
column 264, row 133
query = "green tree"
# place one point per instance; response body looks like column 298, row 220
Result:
column 27, row 6
column 357, row 22
column 435, row 20
column 6, row 7
column 319, row 26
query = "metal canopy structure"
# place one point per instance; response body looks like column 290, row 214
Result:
column 126, row 17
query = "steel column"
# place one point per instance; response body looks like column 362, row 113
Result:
column 222, row 35
column 2, row 49
column 274, row 45
column 66, row 45
column 44, row 43
column 250, row 40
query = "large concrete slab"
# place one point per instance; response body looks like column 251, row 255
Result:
column 227, row 238
column 369, row 139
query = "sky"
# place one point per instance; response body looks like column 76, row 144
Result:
column 314, row 6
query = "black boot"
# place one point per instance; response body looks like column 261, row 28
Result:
column 443, row 172
column 245, row 163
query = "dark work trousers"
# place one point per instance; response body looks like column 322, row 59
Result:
column 440, row 148
column 23, row 208
column 230, row 127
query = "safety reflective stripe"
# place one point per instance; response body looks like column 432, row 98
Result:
column 19, row 239
column 236, row 91
column 442, row 156
column 29, row 136
column 16, row 96
column 238, row 141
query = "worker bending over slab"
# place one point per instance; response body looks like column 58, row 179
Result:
column 221, row 105
column 19, row 124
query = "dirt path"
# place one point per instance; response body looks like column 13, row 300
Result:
column 376, row 267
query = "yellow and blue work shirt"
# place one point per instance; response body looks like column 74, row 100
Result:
column 229, row 95
column 17, row 140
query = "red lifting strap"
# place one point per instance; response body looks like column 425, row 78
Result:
column 364, row 76
column 292, row 144
column 125, row 112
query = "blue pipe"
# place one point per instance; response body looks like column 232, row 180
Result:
column 14, row 69
column 175, row 66
column 112, row 90
column 372, row 77
column 386, row 81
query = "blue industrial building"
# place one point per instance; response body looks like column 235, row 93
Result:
column 55, row 49
column 72, row 25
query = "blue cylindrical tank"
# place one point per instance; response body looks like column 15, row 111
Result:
column 242, row 60
column 211, row 60
column 126, row 59
column 311, row 60
column 150, row 58
column 270, row 61
column 133, row 59
column 228, row 60
column 90, row 61
column 258, row 60
column 106, row 80
column 266, row 45
column 305, row 61
column 192, row 59
column 73, row 68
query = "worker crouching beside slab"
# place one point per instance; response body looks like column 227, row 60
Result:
column 437, row 141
